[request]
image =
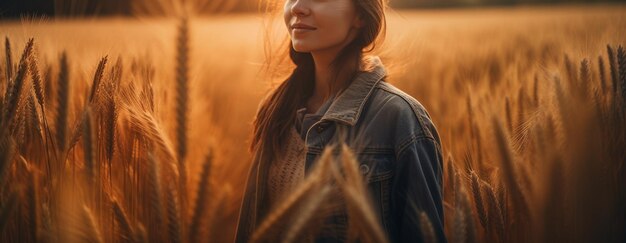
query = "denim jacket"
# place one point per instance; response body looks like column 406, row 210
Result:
column 399, row 152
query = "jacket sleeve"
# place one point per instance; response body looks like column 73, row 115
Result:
column 418, row 187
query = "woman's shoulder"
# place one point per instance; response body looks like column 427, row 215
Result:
column 405, row 109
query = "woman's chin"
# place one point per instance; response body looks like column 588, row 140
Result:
column 301, row 47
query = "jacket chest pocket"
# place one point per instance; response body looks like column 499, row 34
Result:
column 375, row 167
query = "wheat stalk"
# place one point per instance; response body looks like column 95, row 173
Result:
column 306, row 213
column 36, row 77
column 62, row 102
column 478, row 199
column 173, row 216
column 201, row 198
column 112, row 110
column 283, row 210
column 147, row 125
column 426, row 227
column 521, row 109
column 509, row 116
column 33, row 118
column 111, row 127
column 563, row 105
column 97, row 79
column 360, row 211
column 48, row 85
column 154, row 187
column 494, row 209
column 509, row 168
column 536, row 90
column 92, row 102
column 474, row 132
column 621, row 61
column 460, row 219
column 9, row 62
column 16, row 92
column 182, row 83
column 613, row 69
column 122, row 221
column 32, row 198
column 89, row 142
column 466, row 218
column 450, row 175
column 602, row 74
column 33, row 113
column 585, row 78
column 182, row 99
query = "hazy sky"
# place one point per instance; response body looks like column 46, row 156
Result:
column 17, row 8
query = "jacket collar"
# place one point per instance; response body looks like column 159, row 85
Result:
column 347, row 107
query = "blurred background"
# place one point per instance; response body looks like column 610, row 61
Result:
column 529, row 98
column 16, row 8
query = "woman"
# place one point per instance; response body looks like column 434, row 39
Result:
column 334, row 86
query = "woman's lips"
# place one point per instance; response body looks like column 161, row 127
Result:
column 302, row 25
column 301, row 30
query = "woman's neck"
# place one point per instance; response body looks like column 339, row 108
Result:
column 325, row 82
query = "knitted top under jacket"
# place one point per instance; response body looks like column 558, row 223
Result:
column 287, row 171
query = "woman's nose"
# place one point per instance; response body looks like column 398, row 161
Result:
column 300, row 8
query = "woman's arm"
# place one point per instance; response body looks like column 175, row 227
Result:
column 418, row 187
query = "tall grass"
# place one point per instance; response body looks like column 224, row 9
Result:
column 533, row 132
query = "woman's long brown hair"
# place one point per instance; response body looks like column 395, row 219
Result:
column 277, row 112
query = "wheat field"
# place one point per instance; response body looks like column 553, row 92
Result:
column 137, row 130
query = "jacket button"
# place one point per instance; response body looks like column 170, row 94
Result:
column 320, row 128
column 364, row 168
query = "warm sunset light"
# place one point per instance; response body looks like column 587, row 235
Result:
column 217, row 121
